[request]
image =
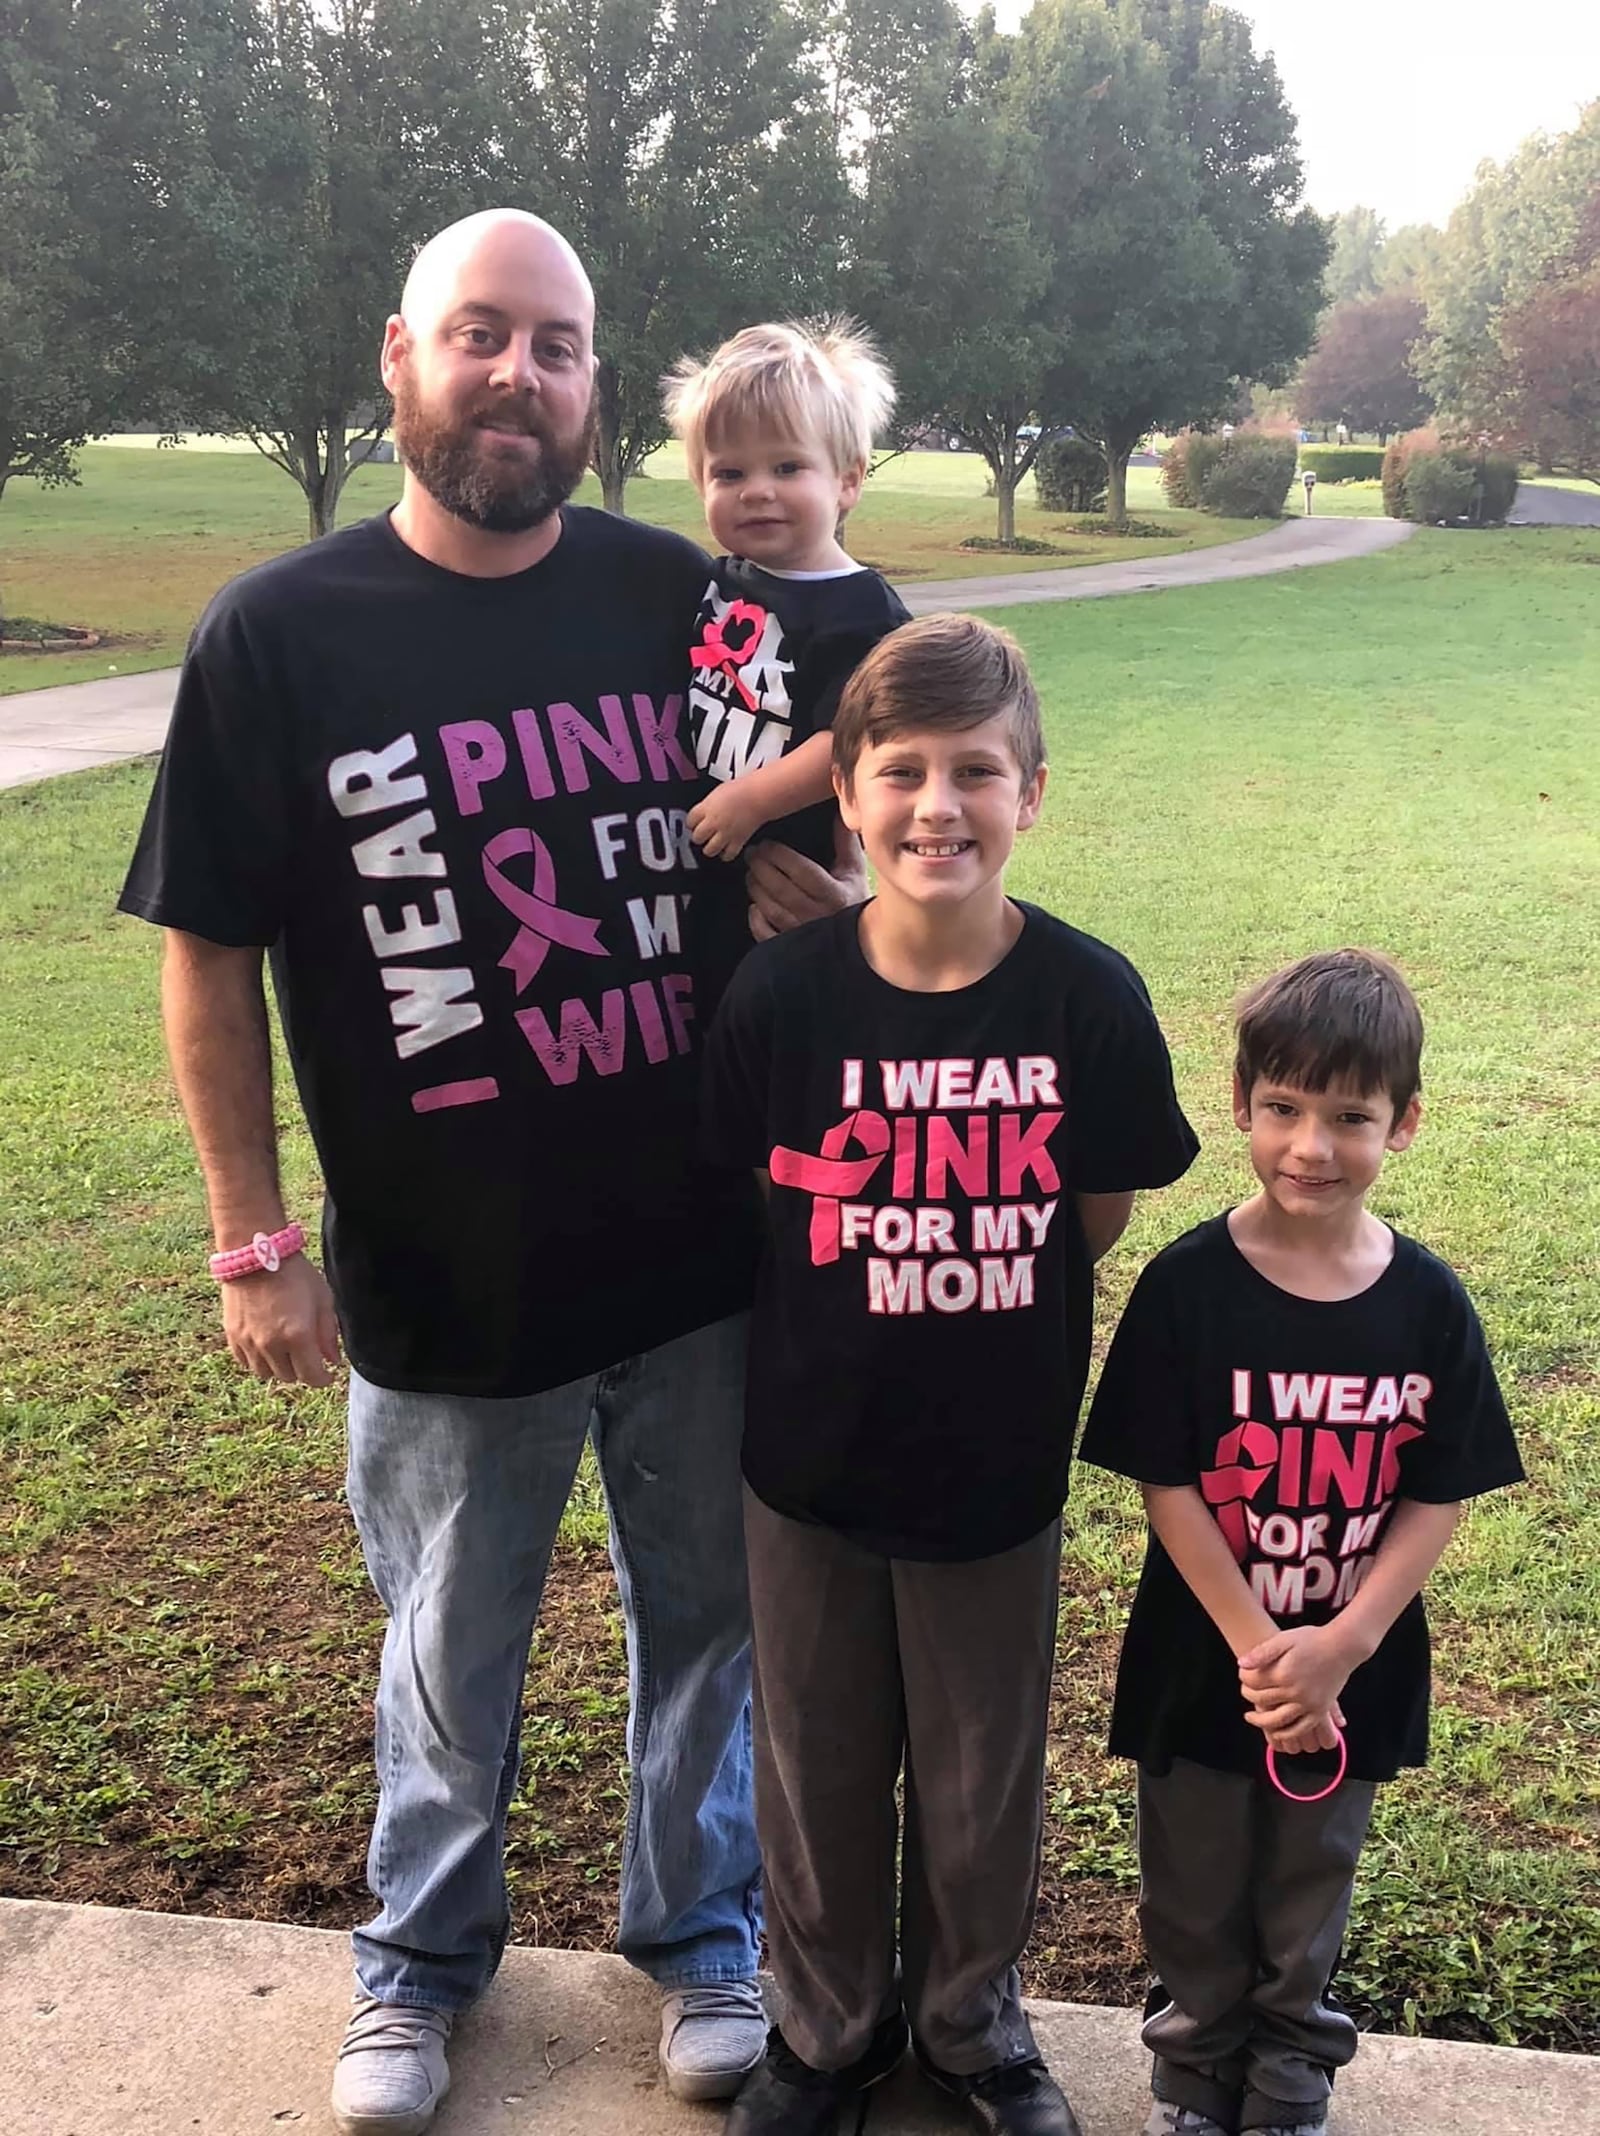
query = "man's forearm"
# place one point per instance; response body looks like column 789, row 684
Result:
column 215, row 1015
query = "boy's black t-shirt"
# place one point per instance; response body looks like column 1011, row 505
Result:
column 454, row 809
column 769, row 659
column 921, row 1336
column 1301, row 1422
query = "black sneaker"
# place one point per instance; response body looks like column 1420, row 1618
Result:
column 1015, row 2099
column 784, row 2096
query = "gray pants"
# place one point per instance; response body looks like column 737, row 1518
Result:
column 1243, row 1900
column 861, row 1663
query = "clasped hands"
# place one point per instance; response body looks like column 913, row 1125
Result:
column 1291, row 1685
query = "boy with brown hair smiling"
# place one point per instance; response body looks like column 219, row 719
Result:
column 1306, row 1398
column 953, row 1098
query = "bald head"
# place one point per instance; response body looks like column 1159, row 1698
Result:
column 484, row 258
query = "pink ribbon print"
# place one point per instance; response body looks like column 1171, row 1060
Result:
column 832, row 1174
column 714, row 651
column 541, row 920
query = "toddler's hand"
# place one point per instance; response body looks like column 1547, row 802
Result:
column 723, row 824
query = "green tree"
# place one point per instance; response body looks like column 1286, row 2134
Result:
column 1355, row 263
column 957, row 180
column 686, row 152
column 286, row 159
column 1409, row 257
column 1520, row 221
column 65, row 364
column 1186, row 264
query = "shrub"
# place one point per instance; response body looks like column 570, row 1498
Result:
column 1490, row 479
column 1498, row 476
column 1187, row 462
column 1071, row 475
column 1401, row 452
column 1250, row 479
column 1436, row 487
column 1343, row 463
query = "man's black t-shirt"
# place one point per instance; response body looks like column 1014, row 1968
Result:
column 922, row 1326
column 1301, row 1422
column 770, row 656
column 455, row 810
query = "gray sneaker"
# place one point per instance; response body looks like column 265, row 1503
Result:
column 712, row 2035
column 1166, row 2119
column 391, row 2071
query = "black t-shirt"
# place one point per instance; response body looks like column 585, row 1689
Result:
column 770, row 656
column 454, row 808
column 1300, row 1421
column 922, row 1326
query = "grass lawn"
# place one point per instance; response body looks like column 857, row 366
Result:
column 187, row 1644
column 141, row 545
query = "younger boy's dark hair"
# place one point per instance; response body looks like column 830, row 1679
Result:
column 945, row 672
column 1341, row 1016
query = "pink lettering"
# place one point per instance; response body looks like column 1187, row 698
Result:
column 1331, row 1465
column 1022, row 1150
column 651, row 1028
column 658, row 731
column 535, row 757
column 947, row 1153
column 574, row 735
column 474, row 754
column 603, row 1044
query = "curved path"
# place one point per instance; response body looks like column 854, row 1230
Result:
column 46, row 732
column 1537, row 506
column 1293, row 546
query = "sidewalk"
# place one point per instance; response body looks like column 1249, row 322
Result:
column 131, row 2024
column 45, row 732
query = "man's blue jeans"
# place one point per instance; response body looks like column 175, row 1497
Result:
column 457, row 1500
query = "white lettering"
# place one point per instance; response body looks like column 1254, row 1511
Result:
column 952, row 1286
column 655, row 926
column 428, row 1009
column 399, row 849
column 1006, row 1285
column 364, row 781
column 894, row 1286
column 414, row 934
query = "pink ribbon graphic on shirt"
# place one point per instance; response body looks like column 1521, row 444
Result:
column 715, row 652
column 832, row 1174
column 542, row 919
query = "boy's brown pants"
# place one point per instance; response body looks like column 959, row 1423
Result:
column 863, row 1662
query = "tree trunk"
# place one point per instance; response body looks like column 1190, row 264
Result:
column 1117, row 488
column 610, row 463
column 1005, row 494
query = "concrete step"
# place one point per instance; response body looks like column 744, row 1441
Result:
column 127, row 2024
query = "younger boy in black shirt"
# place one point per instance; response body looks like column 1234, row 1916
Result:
column 952, row 1098
column 1306, row 1398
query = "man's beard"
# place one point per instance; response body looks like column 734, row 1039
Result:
column 500, row 495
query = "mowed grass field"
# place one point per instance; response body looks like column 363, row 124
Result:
column 1399, row 752
column 140, row 546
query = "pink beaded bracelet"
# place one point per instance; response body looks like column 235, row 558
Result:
column 264, row 1254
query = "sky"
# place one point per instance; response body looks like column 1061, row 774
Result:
column 1399, row 101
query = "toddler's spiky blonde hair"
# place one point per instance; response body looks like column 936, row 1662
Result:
column 820, row 378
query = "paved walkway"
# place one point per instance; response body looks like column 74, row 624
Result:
column 1540, row 507
column 46, row 732
column 1293, row 546
column 135, row 2024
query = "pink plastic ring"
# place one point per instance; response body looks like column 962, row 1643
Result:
column 1322, row 1793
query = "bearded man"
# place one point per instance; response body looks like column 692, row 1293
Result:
column 435, row 764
